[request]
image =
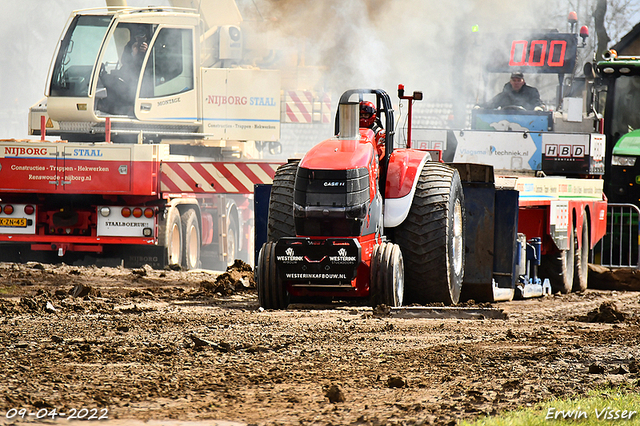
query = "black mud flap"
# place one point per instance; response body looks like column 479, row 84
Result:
column 261, row 196
column 318, row 261
column 138, row 256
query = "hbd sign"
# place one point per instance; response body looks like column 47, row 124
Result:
column 564, row 151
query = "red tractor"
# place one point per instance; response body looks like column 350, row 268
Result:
column 355, row 219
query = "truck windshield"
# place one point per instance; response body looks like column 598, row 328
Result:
column 77, row 55
column 626, row 105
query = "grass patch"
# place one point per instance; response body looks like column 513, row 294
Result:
column 13, row 289
column 603, row 406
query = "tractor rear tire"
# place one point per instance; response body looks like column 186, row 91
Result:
column 581, row 269
column 280, row 221
column 387, row 276
column 272, row 293
column 432, row 237
column 558, row 267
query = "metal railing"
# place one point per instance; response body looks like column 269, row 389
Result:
column 619, row 247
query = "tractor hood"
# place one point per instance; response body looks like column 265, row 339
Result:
column 336, row 189
column 340, row 154
column 628, row 144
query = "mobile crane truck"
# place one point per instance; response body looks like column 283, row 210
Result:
column 156, row 165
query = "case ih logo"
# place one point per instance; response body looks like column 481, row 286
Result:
column 14, row 151
column 564, row 151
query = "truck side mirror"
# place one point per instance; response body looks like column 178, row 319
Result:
column 275, row 148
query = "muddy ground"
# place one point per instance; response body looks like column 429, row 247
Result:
column 144, row 344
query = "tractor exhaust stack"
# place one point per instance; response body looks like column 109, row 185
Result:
column 349, row 120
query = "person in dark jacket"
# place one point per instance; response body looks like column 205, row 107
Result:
column 516, row 93
column 121, row 84
column 369, row 120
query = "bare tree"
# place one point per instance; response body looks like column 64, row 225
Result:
column 619, row 15
column 607, row 20
column 599, row 13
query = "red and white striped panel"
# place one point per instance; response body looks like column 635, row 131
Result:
column 299, row 106
column 326, row 108
column 219, row 177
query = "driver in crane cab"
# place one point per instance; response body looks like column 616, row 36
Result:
column 516, row 94
column 121, row 84
column 369, row 120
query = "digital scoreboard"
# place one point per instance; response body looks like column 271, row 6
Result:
column 534, row 53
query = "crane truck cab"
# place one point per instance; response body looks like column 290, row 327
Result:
column 191, row 81
column 157, row 84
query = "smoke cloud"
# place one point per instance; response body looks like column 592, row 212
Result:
column 426, row 45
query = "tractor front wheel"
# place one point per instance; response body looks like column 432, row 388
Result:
column 387, row 276
column 272, row 293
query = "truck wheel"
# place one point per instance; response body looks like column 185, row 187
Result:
column 171, row 237
column 432, row 237
column 191, row 240
column 581, row 269
column 280, row 222
column 558, row 267
column 387, row 276
column 272, row 293
column 232, row 242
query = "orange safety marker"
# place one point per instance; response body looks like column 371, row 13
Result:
column 43, row 127
column 107, row 129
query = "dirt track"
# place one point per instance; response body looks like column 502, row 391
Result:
column 147, row 344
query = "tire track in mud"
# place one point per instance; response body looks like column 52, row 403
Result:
column 180, row 345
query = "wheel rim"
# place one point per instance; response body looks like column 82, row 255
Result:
column 398, row 271
column 457, row 237
column 570, row 259
column 174, row 245
column 192, row 249
column 585, row 247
